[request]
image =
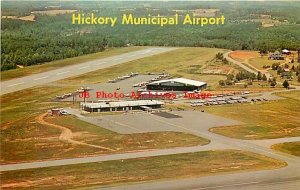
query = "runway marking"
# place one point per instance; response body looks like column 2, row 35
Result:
column 101, row 63
column 121, row 124
column 15, row 84
column 62, row 72
column 83, row 67
column 41, row 78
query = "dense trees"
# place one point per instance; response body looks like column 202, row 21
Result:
column 245, row 75
column 54, row 37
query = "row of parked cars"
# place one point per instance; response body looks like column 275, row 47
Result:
column 219, row 101
column 230, row 100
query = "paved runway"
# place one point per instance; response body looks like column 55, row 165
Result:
column 255, row 180
column 14, row 85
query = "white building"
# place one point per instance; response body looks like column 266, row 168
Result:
column 121, row 106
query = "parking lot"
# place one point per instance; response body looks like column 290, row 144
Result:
column 220, row 100
column 141, row 122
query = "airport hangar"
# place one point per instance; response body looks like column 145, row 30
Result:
column 177, row 84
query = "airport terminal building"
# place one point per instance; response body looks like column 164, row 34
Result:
column 177, row 84
column 146, row 105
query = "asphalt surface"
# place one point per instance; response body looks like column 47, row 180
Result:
column 259, row 180
column 17, row 84
column 189, row 121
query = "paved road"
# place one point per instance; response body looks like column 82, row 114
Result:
column 14, row 85
column 226, row 55
column 240, row 64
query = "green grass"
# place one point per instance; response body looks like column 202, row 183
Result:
column 20, row 72
column 288, row 147
column 136, row 170
column 259, row 62
column 267, row 120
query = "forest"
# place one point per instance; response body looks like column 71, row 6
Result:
column 53, row 37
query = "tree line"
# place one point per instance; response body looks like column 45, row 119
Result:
column 54, row 37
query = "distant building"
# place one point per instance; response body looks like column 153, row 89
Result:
column 286, row 51
column 286, row 72
column 177, row 84
column 121, row 106
column 276, row 56
column 56, row 112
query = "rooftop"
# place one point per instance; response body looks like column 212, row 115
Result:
column 181, row 80
column 121, row 104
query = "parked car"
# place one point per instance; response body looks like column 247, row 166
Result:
column 64, row 112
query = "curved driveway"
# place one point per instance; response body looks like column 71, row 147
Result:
column 226, row 55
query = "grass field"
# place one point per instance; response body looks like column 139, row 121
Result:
column 259, row 62
column 288, row 147
column 41, row 142
column 136, row 170
column 20, row 72
column 274, row 119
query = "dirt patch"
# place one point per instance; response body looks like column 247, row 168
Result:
column 217, row 69
column 67, row 134
column 243, row 55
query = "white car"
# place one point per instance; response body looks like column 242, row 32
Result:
column 64, row 112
